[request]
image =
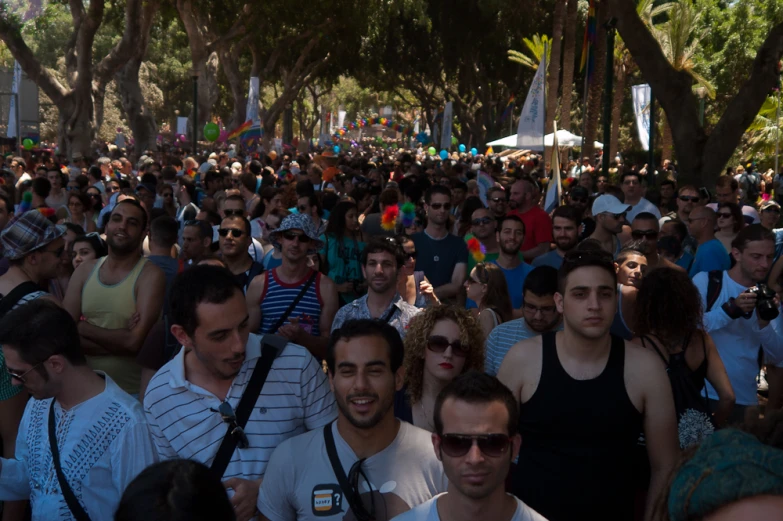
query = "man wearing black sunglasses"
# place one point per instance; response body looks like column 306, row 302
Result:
column 234, row 237
column 645, row 228
column 483, row 226
column 379, row 466
column 476, row 439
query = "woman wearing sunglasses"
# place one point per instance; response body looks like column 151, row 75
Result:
column 487, row 286
column 442, row 343
column 96, row 204
column 413, row 285
column 730, row 222
column 166, row 192
column 78, row 206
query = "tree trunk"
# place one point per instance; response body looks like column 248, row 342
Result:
column 228, row 60
column 596, row 87
column 667, row 141
column 76, row 124
column 617, row 109
column 553, row 67
column 569, row 63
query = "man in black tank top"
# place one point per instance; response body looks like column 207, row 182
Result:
column 584, row 397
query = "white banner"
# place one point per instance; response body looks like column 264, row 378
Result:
column 252, row 102
column 641, row 108
column 387, row 111
column 182, row 126
column 12, row 124
column 340, row 118
column 445, row 136
column 530, row 132
column 553, row 187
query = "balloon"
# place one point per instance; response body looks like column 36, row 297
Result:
column 444, row 155
column 462, row 149
column 474, row 151
column 223, row 136
column 336, row 149
column 211, row 132
column 27, row 143
column 454, row 140
column 431, row 151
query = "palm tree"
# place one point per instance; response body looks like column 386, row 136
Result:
column 679, row 41
column 535, row 50
column 763, row 132
column 569, row 62
column 553, row 65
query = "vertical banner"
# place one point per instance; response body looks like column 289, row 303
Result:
column 340, row 118
column 641, row 108
column 252, row 102
column 530, row 132
column 12, row 123
column 553, row 187
column 445, row 136
column 182, row 126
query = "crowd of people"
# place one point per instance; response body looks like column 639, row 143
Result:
column 382, row 334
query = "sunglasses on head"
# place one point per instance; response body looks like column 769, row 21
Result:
column 482, row 220
column 233, row 231
column 291, row 236
column 227, row 413
column 689, row 199
column 491, row 445
column 644, row 234
column 438, row 206
column 439, row 344
column 234, row 211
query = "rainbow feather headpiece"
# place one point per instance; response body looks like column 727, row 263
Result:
column 408, row 214
column 389, row 218
column 477, row 250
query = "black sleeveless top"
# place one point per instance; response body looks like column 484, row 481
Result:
column 578, row 442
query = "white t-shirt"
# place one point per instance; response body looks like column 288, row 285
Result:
column 300, row 485
column 429, row 512
column 642, row 206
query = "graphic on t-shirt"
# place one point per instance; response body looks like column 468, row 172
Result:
column 327, row 500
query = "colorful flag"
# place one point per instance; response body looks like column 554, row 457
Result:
column 588, row 56
column 251, row 136
column 553, row 190
column 239, row 130
column 509, row 108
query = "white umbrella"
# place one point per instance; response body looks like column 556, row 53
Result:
column 565, row 139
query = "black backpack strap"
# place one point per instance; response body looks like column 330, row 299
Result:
column 70, row 498
column 271, row 346
column 284, row 316
column 8, row 302
column 337, row 467
column 714, row 285
column 255, row 270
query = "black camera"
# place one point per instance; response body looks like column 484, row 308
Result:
column 765, row 302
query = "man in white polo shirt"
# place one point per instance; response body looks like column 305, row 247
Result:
column 193, row 402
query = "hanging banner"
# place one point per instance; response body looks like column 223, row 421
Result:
column 530, row 132
column 445, row 135
column 340, row 118
column 553, row 188
column 641, row 108
column 182, row 126
column 252, row 102
column 12, row 124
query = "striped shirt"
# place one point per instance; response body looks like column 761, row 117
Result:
column 184, row 421
column 503, row 337
column 278, row 295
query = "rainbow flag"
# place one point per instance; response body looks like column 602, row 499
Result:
column 239, row 130
column 508, row 110
column 251, row 136
column 588, row 57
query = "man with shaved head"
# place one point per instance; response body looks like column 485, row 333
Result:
column 711, row 254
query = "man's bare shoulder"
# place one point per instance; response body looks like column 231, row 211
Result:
column 524, row 349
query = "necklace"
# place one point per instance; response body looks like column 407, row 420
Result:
column 426, row 418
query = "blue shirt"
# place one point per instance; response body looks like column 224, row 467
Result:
column 515, row 279
column 548, row 259
column 502, row 338
column 710, row 256
column 685, row 261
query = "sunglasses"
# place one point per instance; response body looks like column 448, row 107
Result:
column 724, row 215
column 412, row 255
column 21, row 376
column 233, row 231
column 497, row 199
column 688, row 199
column 438, row 206
column 772, row 209
column 481, row 221
column 491, row 445
column 58, row 252
column 227, row 413
column 237, row 212
column 619, row 216
column 71, row 188
column 578, row 200
column 292, row 236
column 439, row 344
column 302, row 209
column 644, row 234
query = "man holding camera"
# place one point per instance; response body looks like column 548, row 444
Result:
column 742, row 314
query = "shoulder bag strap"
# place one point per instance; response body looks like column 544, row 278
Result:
column 271, row 346
column 8, row 302
column 389, row 314
column 284, row 316
column 655, row 347
column 70, row 498
column 337, row 467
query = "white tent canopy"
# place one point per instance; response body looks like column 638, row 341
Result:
column 565, row 139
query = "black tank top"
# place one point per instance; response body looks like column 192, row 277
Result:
column 578, row 441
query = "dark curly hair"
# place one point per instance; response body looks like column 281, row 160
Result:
column 668, row 306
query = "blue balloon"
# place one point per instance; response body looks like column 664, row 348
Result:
column 336, row 149
column 474, row 151
column 444, row 154
column 462, row 149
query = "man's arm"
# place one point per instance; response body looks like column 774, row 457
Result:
column 316, row 344
column 150, row 290
column 72, row 302
column 14, row 474
column 253, row 301
column 453, row 288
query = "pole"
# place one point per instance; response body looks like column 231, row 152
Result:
column 584, row 116
column 543, row 112
column 651, row 157
column 195, row 113
column 19, row 123
column 610, row 33
column 777, row 136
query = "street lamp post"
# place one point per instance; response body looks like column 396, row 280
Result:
column 701, row 92
column 194, row 131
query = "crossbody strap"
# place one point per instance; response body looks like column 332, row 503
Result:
column 284, row 316
column 271, row 346
column 70, row 498
column 15, row 295
column 337, row 467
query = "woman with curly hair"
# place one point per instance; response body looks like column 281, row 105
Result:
column 442, row 343
column 486, row 285
column 669, row 321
